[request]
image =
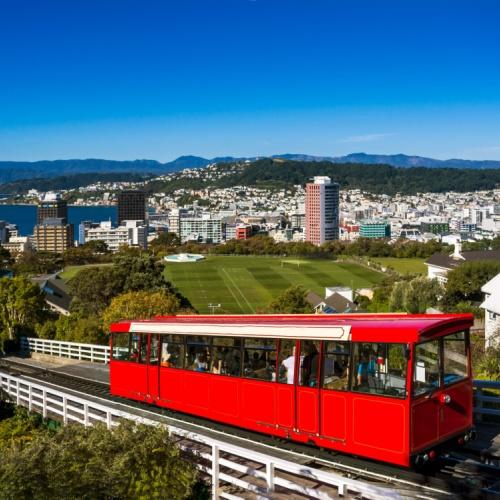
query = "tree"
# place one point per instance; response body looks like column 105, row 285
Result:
column 291, row 301
column 415, row 296
column 31, row 263
column 22, row 305
column 141, row 305
column 131, row 461
column 75, row 328
column 465, row 282
column 92, row 289
column 421, row 294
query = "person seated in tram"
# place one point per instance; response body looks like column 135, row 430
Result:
column 201, row 362
column 310, row 366
column 218, row 361
column 366, row 369
column 287, row 368
column 135, row 355
column 232, row 362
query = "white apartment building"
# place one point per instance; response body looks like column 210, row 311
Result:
column 132, row 233
column 204, row 229
column 491, row 306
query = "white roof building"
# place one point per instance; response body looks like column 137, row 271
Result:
column 491, row 306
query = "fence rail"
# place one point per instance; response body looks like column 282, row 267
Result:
column 493, row 402
column 227, row 465
column 73, row 350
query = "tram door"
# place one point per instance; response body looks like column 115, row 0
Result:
column 307, row 388
column 153, row 370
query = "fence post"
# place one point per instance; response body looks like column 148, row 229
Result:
column 270, row 476
column 478, row 403
column 86, row 415
column 215, row 472
column 65, row 410
column 44, row 403
column 30, row 398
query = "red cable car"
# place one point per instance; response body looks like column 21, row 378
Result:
column 395, row 388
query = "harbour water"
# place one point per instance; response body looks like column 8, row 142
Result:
column 25, row 215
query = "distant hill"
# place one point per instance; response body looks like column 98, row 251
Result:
column 382, row 179
column 399, row 160
column 12, row 171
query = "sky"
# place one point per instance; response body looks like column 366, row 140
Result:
column 127, row 79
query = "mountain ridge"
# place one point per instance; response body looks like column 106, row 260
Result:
column 12, row 170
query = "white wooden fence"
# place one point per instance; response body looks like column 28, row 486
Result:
column 229, row 466
column 74, row 350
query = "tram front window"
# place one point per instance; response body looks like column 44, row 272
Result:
column 426, row 368
column 380, row 368
column 455, row 365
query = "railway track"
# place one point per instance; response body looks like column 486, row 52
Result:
column 456, row 475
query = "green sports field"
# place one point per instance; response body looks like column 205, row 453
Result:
column 403, row 266
column 246, row 284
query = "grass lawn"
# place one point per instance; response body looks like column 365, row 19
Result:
column 246, row 284
column 403, row 266
column 71, row 271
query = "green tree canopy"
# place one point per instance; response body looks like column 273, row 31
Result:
column 141, row 305
column 415, row 296
column 465, row 282
column 22, row 306
column 130, row 462
column 291, row 301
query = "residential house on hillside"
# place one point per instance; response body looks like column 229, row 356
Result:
column 338, row 300
column 438, row 264
column 491, row 306
column 55, row 291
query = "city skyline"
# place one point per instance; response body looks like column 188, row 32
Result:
column 126, row 80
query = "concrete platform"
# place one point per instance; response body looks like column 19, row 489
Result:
column 97, row 372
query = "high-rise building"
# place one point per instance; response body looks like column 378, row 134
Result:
column 52, row 206
column 53, row 235
column 131, row 206
column 322, row 210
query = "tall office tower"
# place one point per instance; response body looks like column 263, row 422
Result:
column 52, row 206
column 322, row 210
column 53, row 235
column 131, row 206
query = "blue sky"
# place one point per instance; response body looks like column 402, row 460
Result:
column 126, row 79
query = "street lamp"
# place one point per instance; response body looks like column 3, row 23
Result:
column 213, row 307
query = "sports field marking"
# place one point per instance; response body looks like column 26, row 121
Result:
column 238, row 289
column 232, row 293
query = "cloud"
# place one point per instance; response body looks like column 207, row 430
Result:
column 366, row 137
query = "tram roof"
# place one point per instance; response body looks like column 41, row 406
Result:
column 356, row 327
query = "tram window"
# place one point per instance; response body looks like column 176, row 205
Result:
column 259, row 359
column 172, row 351
column 426, row 368
column 309, row 363
column 198, row 353
column 153, row 350
column 379, row 368
column 134, row 353
column 455, row 358
column 336, row 365
column 143, row 356
column 121, row 349
column 286, row 362
column 226, row 356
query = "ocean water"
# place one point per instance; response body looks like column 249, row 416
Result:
column 25, row 216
